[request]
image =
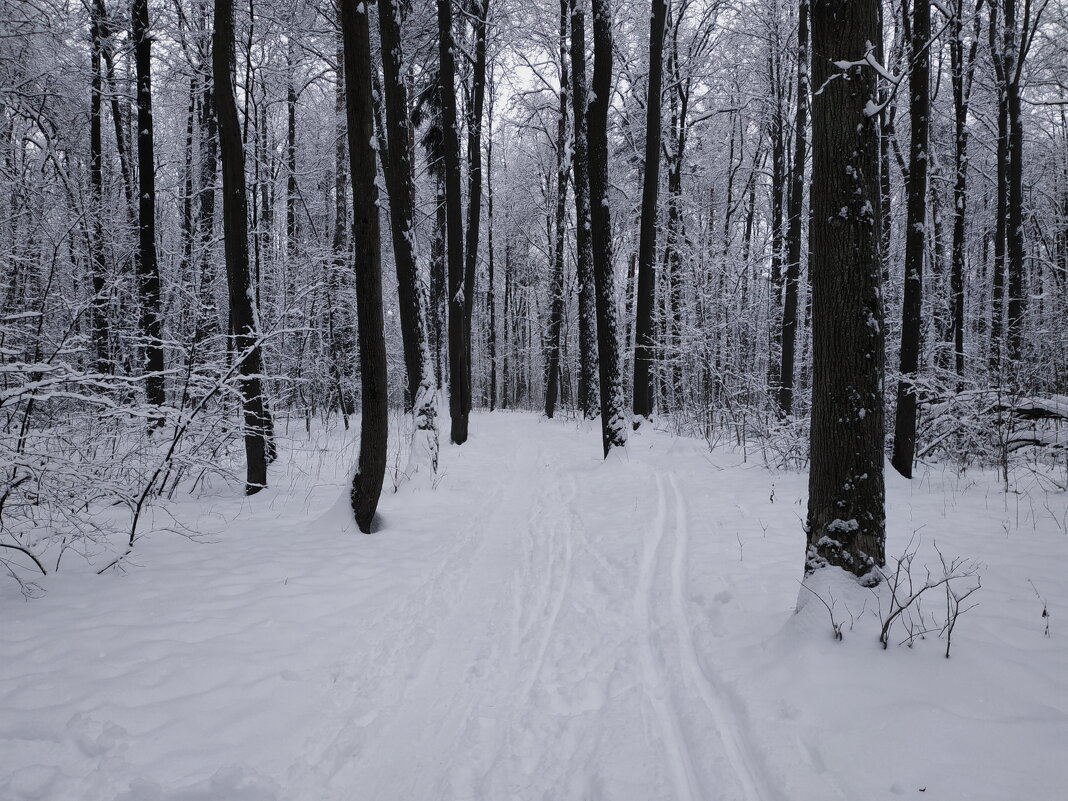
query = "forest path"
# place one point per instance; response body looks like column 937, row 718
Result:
column 550, row 654
column 539, row 625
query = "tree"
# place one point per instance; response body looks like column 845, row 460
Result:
column 421, row 391
column 147, row 265
column 915, row 237
column 613, row 419
column 374, row 399
column 235, row 233
column 459, row 356
column 644, row 345
column 795, row 204
column 474, row 184
column 846, row 516
column 588, row 383
column 556, row 291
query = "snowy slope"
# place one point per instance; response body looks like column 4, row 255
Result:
column 541, row 625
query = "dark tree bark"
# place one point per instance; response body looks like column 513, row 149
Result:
column 207, row 313
column 962, row 70
column 398, row 173
column 846, row 515
column 613, row 416
column 556, row 314
column 474, row 184
column 915, row 237
column 118, row 118
column 1013, row 56
column 795, row 205
column 459, row 356
column 235, row 233
column 367, row 483
column 147, row 266
column 292, row 189
column 645, row 340
column 96, row 188
column 997, row 306
column 588, row 383
column 491, row 298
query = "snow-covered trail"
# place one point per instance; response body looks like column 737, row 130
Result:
column 542, row 625
column 552, row 670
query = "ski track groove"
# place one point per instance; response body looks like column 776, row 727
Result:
column 657, row 692
column 727, row 725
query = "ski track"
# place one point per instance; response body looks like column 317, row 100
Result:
column 731, row 731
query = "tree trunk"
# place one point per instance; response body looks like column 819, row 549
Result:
column 915, row 238
column 645, row 340
column 147, row 266
column 613, row 417
column 588, row 382
column 846, row 515
column 401, row 192
column 1017, row 300
column 96, row 186
column 474, row 184
column 235, row 232
column 796, row 203
column 459, row 356
column 556, row 315
column 367, row 483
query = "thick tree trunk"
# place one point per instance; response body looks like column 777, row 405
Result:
column 796, row 201
column 613, row 416
column 846, row 515
column 645, row 340
column 459, row 355
column 367, row 483
column 147, row 266
column 915, row 238
column 235, row 232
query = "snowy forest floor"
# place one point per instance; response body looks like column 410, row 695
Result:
column 540, row 625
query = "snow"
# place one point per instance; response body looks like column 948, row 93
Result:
column 539, row 624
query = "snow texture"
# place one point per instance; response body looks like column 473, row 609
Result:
column 540, row 624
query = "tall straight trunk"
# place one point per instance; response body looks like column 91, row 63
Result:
column 962, row 69
column 96, row 187
column 207, row 312
column 846, row 512
column 459, row 355
column 491, row 297
column 398, row 173
column 367, row 483
column 645, row 340
column 341, row 342
column 997, row 306
column 117, row 117
column 588, row 383
column 147, row 266
column 788, row 335
column 235, row 232
column 474, row 183
column 915, row 238
column 507, row 327
column 556, row 315
column 1017, row 300
column 613, row 416
column 292, row 188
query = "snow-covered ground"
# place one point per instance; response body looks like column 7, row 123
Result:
column 540, row 625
